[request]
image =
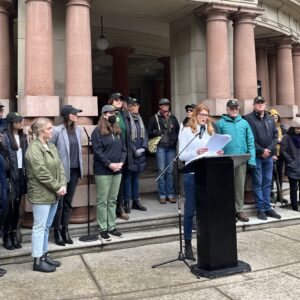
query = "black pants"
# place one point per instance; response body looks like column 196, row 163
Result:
column 13, row 210
column 294, row 187
column 120, row 200
column 64, row 208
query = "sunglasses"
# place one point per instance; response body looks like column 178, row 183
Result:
column 189, row 110
column 118, row 100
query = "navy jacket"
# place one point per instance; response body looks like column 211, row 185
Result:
column 264, row 131
column 107, row 149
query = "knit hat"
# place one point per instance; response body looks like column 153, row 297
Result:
column 295, row 122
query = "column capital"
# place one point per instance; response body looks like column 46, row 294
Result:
column 216, row 12
column 285, row 42
column 6, row 6
column 246, row 15
column 119, row 51
column 86, row 3
column 296, row 49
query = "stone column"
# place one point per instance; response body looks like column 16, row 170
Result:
column 244, row 61
column 39, row 81
column 262, row 70
column 5, row 59
column 79, row 91
column 272, row 77
column 296, row 67
column 217, row 62
column 120, row 68
column 167, row 76
column 285, row 75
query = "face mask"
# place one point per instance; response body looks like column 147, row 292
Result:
column 112, row 119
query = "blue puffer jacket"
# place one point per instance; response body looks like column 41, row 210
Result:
column 242, row 137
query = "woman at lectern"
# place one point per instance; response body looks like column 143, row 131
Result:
column 199, row 125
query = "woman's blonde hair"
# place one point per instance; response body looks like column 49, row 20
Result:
column 37, row 127
column 193, row 123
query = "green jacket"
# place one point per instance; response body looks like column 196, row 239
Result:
column 45, row 173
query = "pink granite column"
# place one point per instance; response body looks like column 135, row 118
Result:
column 262, row 70
column 39, row 99
column 79, row 91
column 217, row 62
column 244, row 61
column 167, row 76
column 5, row 77
column 285, row 74
column 296, row 67
column 272, row 77
column 120, row 68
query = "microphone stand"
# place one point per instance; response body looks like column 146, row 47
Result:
column 88, row 237
column 180, row 253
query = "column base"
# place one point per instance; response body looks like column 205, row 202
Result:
column 88, row 104
column 287, row 111
column 6, row 103
column 39, row 106
column 80, row 215
column 241, row 267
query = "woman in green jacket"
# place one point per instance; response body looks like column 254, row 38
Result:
column 45, row 185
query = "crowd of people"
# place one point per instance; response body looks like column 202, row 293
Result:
column 48, row 163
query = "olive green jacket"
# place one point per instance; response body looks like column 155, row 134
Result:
column 45, row 173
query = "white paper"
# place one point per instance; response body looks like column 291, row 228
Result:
column 217, row 142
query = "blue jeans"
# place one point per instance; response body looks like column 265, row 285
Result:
column 131, row 186
column 43, row 215
column 189, row 205
column 261, row 182
column 164, row 156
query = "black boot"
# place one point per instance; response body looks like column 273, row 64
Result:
column 7, row 244
column 65, row 235
column 58, row 238
column 41, row 265
column 51, row 261
column 14, row 239
column 136, row 204
column 127, row 207
column 188, row 252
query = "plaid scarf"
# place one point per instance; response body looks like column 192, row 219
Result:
column 133, row 118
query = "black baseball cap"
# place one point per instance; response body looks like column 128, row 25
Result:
column 132, row 101
column 164, row 101
column 69, row 109
column 259, row 99
column 192, row 106
column 116, row 96
column 232, row 103
column 13, row 117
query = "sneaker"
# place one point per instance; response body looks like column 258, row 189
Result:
column 116, row 233
column 103, row 235
column 242, row 217
column 273, row 214
column 261, row 215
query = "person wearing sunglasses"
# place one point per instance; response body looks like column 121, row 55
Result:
column 242, row 142
column 188, row 109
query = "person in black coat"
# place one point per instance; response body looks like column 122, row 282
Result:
column 165, row 124
column 137, row 162
column 290, row 150
column 17, row 144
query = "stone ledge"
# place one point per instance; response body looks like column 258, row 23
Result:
column 88, row 104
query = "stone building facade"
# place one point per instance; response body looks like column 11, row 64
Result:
column 189, row 51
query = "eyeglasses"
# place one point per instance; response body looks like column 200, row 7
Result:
column 203, row 115
column 234, row 108
column 189, row 110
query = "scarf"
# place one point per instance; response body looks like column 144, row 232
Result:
column 133, row 119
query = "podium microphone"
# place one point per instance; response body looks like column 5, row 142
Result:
column 202, row 129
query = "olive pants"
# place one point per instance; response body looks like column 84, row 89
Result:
column 107, row 193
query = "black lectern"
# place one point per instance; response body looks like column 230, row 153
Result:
column 215, row 211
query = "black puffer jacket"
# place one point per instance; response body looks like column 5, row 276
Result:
column 169, row 129
column 291, row 155
column 264, row 131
